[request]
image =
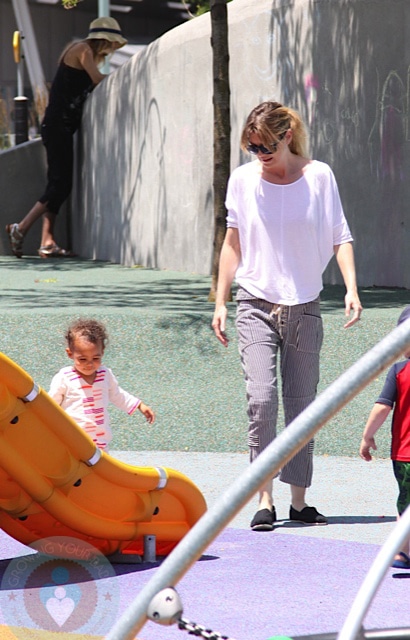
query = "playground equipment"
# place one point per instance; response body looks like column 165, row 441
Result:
column 282, row 449
column 55, row 482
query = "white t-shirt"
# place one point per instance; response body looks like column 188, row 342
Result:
column 88, row 404
column 287, row 232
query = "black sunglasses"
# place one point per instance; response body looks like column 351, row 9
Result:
column 255, row 148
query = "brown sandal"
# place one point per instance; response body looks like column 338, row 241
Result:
column 54, row 251
column 15, row 238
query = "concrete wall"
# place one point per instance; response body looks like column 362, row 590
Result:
column 144, row 186
column 146, row 179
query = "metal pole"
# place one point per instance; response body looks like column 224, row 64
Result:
column 374, row 576
column 20, row 101
column 21, row 119
column 31, row 53
column 20, row 82
column 282, row 449
column 104, row 11
column 150, row 548
column 17, row 54
column 103, row 8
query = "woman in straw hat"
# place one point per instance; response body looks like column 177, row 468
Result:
column 76, row 77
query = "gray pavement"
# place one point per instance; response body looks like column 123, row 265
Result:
column 162, row 348
column 359, row 498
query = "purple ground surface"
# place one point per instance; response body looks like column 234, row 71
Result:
column 251, row 586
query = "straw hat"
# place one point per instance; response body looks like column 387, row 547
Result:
column 106, row 29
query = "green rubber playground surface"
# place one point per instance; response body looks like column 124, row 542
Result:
column 162, row 349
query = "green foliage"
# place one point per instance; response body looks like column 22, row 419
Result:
column 198, row 7
column 70, row 4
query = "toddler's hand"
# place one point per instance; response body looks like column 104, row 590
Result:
column 147, row 412
column 365, row 447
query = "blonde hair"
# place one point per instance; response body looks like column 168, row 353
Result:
column 270, row 121
column 101, row 48
column 98, row 46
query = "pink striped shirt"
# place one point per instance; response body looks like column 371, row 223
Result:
column 88, row 404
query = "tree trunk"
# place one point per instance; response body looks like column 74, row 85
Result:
column 222, row 128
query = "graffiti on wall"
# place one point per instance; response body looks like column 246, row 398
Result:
column 390, row 128
column 345, row 123
column 387, row 133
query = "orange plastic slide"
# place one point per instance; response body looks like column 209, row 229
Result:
column 55, row 482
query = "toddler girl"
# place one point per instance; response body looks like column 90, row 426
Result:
column 85, row 388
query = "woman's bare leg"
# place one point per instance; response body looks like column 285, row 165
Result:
column 298, row 497
column 265, row 496
column 33, row 215
column 47, row 232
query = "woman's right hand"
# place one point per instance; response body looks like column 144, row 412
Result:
column 219, row 324
column 228, row 264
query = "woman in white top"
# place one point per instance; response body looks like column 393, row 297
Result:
column 285, row 221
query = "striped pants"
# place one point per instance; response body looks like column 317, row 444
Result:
column 297, row 332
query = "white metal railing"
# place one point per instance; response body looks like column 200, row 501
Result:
column 374, row 577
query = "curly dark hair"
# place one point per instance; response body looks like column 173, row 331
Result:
column 88, row 328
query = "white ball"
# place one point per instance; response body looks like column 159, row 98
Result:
column 165, row 607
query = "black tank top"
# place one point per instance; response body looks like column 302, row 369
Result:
column 68, row 92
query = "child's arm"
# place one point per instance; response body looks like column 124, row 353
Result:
column 57, row 388
column 147, row 412
column 376, row 418
column 126, row 401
